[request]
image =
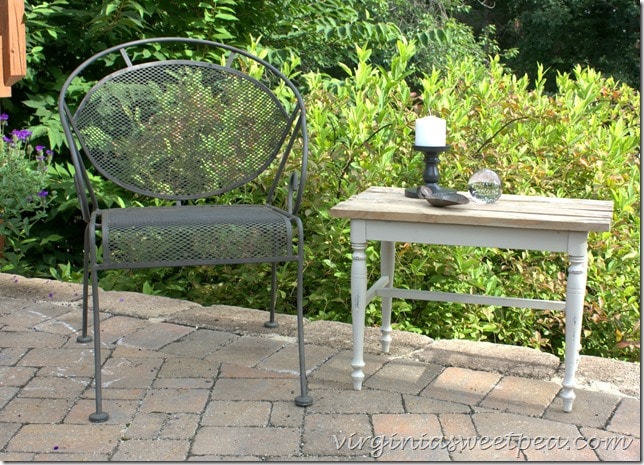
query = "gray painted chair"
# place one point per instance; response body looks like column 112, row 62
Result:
column 185, row 121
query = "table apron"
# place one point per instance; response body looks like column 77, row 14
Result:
column 572, row 242
column 477, row 299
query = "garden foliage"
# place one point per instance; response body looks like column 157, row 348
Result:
column 24, row 198
column 580, row 141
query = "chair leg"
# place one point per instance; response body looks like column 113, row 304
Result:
column 90, row 258
column 84, row 337
column 99, row 416
column 271, row 323
column 304, row 399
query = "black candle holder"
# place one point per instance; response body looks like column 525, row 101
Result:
column 431, row 175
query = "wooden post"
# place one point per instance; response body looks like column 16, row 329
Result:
column 13, row 43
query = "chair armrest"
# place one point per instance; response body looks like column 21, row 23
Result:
column 293, row 187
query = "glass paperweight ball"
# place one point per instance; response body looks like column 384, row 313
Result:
column 485, row 186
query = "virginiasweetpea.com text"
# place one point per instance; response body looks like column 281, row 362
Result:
column 376, row 445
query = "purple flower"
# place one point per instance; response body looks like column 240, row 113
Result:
column 40, row 148
column 43, row 194
column 7, row 139
column 4, row 117
column 21, row 134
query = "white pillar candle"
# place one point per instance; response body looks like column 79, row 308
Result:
column 431, row 132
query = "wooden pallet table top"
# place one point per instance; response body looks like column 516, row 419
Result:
column 512, row 211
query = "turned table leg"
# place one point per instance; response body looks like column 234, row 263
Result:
column 575, row 296
column 358, row 300
column 387, row 260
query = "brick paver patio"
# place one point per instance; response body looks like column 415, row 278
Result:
column 185, row 382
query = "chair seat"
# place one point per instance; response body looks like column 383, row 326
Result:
column 203, row 234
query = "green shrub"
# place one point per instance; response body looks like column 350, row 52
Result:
column 580, row 142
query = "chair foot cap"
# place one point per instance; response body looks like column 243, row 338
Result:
column 98, row 417
column 271, row 324
column 304, row 401
column 84, row 339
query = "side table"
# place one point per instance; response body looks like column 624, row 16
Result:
column 514, row 222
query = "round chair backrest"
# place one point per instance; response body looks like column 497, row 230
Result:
column 180, row 129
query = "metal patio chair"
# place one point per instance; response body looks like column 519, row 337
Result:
column 185, row 121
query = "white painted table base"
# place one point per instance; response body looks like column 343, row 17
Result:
column 384, row 214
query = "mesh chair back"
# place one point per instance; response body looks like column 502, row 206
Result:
column 169, row 127
column 180, row 129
